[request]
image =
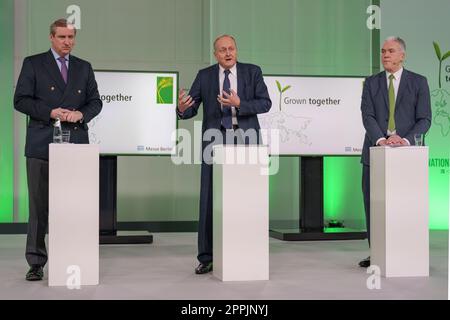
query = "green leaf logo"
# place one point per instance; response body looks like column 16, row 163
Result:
column 164, row 90
column 441, row 58
column 437, row 50
column 281, row 90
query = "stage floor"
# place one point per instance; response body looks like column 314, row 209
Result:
column 164, row 270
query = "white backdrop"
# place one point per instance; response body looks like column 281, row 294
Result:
column 315, row 115
column 132, row 121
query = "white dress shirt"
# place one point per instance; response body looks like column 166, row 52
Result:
column 56, row 55
column 396, row 84
column 396, row 81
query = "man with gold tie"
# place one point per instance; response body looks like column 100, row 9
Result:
column 395, row 105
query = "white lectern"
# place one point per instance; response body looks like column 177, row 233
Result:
column 399, row 210
column 73, row 215
column 241, row 212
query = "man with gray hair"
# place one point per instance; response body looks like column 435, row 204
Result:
column 232, row 94
column 395, row 105
column 54, row 85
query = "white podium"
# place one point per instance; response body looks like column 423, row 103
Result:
column 399, row 211
column 73, row 215
column 240, row 212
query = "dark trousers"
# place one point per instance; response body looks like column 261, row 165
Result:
column 205, row 216
column 37, row 174
column 205, row 244
column 366, row 195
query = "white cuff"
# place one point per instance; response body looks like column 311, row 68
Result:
column 378, row 141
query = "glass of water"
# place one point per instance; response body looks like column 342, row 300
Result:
column 57, row 135
column 65, row 136
column 418, row 139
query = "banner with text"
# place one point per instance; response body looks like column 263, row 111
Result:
column 138, row 115
column 315, row 115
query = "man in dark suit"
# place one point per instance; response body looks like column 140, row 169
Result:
column 52, row 85
column 395, row 105
column 232, row 94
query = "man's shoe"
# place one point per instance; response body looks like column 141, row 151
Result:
column 365, row 263
column 35, row 273
column 204, row 268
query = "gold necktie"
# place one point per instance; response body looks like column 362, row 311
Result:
column 391, row 123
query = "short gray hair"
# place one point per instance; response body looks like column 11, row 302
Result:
column 224, row 36
column 399, row 40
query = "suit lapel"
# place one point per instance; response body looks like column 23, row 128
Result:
column 240, row 80
column 215, row 83
column 216, row 89
column 52, row 68
column 384, row 91
column 401, row 88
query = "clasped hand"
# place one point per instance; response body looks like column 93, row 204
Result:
column 393, row 140
column 66, row 115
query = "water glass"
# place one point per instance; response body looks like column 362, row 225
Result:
column 418, row 139
column 65, row 136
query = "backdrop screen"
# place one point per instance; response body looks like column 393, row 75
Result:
column 314, row 115
column 138, row 115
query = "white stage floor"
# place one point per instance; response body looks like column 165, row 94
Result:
column 164, row 270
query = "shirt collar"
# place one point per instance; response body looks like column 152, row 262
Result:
column 232, row 69
column 56, row 55
column 397, row 74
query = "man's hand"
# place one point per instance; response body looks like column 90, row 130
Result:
column 231, row 99
column 184, row 101
column 383, row 142
column 74, row 116
column 59, row 113
column 396, row 140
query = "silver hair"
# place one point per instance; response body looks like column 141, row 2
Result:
column 399, row 40
column 224, row 36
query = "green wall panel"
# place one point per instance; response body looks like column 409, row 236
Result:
column 6, row 110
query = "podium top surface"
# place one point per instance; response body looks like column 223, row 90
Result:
column 399, row 150
column 71, row 146
column 399, row 147
column 240, row 154
column 408, row 154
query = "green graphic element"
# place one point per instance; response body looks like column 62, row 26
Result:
column 441, row 113
column 440, row 58
column 6, row 108
column 164, row 93
column 281, row 90
column 440, row 98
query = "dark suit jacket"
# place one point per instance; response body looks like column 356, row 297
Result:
column 412, row 108
column 41, row 88
column 251, row 90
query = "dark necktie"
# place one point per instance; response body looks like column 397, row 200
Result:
column 63, row 68
column 226, row 110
